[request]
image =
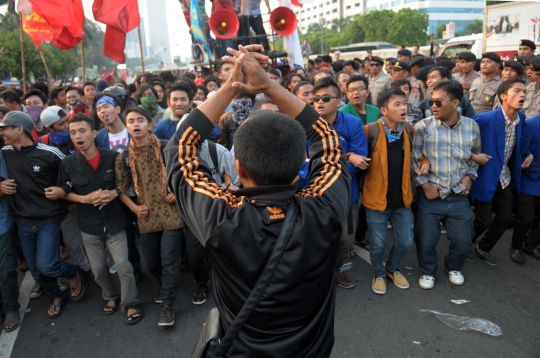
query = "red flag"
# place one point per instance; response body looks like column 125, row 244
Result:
column 37, row 28
column 120, row 16
column 66, row 18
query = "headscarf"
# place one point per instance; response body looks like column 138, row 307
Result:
column 136, row 151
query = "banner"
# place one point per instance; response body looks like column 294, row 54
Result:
column 120, row 16
column 291, row 44
column 199, row 29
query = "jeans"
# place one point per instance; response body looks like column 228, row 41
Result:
column 8, row 273
column 72, row 239
column 40, row 246
column 527, row 205
column 97, row 255
column 196, row 254
column 256, row 23
column 457, row 217
column 501, row 205
column 160, row 251
column 222, row 45
column 402, row 222
column 347, row 238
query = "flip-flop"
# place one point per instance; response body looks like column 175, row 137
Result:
column 134, row 320
column 80, row 282
column 105, row 305
column 12, row 318
column 60, row 305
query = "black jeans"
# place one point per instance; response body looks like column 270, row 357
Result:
column 160, row 250
column 501, row 205
column 132, row 231
column 362, row 224
column 8, row 273
column 196, row 254
column 255, row 22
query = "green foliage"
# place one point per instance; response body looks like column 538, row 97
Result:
column 475, row 27
column 408, row 28
column 440, row 30
column 377, row 24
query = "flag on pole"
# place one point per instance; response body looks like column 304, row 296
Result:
column 291, row 43
column 37, row 28
column 197, row 26
column 120, row 16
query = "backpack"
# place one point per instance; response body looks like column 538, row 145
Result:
column 372, row 141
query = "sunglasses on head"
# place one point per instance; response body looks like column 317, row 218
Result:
column 436, row 103
column 325, row 98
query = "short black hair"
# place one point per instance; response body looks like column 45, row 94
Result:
column 36, row 92
column 453, row 88
column 55, row 92
column 330, row 74
column 212, row 79
column 311, row 62
column 140, row 110
column 287, row 80
column 166, row 76
column 132, row 88
column 342, row 73
column 326, row 82
column 219, row 66
column 89, row 83
column 189, row 82
column 386, row 95
column 273, row 71
column 505, row 86
column 11, row 96
column 204, row 89
column 357, row 78
column 83, row 117
column 443, row 72
column 243, row 94
column 271, row 146
column 259, row 103
column 401, row 82
column 4, row 110
column 355, row 66
column 79, row 90
column 42, row 86
column 300, row 84
column 338, row 65
column 141, row 90
column 181, row 86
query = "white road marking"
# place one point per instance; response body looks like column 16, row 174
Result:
column 7, row 340
column 364, row 254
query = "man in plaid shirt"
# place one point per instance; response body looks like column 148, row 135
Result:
column 501, row 174
column 446, row 140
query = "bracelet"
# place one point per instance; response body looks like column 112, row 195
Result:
column 227, row 186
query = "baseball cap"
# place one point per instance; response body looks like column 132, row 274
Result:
column 18, row 119
column 52, row 115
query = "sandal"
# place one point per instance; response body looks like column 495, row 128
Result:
column 60, row 305
column 105, row 306
column 351, row 254
column 12, row 319
column 363, row 244
column 80, row 282
column 131, row 319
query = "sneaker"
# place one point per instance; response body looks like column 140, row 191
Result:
column 199, row 297
column 470, row 256
column 158, row 298
column 343, row 281
column 456, row 278
column 487, row 257
column 23, row 265
column 398, row 279
column 36, row 291
column 167, row 316
column 443, row 229
column 378, row 285
column 427, row 282
column 62, row 286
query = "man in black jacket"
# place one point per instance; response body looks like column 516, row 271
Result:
column 33, row 170
column 295, row 316
column 87, row 178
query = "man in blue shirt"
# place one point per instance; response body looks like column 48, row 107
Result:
column 179, row 100
column 326, row 100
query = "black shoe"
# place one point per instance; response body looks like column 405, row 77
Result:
column 138, row 276
column 533, row 252
column 158, row 299
column 199, row 297
column 517, row 256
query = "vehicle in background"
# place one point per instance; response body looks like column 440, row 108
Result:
column 382, row 53
column 363, row 46
column 471, row 43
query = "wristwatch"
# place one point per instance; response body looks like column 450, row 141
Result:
column 118, row 192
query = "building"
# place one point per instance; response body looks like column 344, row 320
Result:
column 133, row 49
column 158, row 44
column 460, row 12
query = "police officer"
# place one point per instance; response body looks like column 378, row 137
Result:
column 532, row 99
column 466, row 75
column 511, row 70
column 378, row 80
column 526, row 62
column 526, row 47
column 484, row 90
column 404, row 55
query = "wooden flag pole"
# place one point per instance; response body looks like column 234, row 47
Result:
column 141, row 48
column 83, row 61
column 45, row 64
column 23, row 64
column 114, row 73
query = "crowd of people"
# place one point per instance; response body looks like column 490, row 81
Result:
column 425, row 146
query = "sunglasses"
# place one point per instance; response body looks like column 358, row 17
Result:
column 375, row 64
column 325, row 98
column 436, row 103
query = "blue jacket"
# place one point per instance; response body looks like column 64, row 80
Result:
column 102, row 138
column 166, row 129
column 353, row 140
column 530, row 144
column 492, row 132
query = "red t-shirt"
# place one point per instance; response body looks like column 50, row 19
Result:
column 94, row 162
column 224, row 5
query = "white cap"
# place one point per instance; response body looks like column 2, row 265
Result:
column 338, row 52
column 52, row 115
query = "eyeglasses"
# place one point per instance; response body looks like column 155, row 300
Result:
column 325, row 98
column 436, row 103
column 359, row 89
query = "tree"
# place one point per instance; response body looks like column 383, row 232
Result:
column 341, row 23
column 314, row 27
column 376, row 24
column 440, row 30
column 408, row 28
column 475, row 27
column 354, row 32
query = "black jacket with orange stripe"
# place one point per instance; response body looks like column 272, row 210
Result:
column 295, row 316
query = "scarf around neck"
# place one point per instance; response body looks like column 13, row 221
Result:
column 136, row 152
column 392, row 134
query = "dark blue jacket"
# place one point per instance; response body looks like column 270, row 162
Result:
column 492, row 131
column 102, row 138
column 530, row 144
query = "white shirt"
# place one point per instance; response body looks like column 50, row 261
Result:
column 119, row 142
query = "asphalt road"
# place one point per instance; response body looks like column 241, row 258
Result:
column 366, row 324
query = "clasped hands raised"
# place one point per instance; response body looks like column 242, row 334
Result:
column 248, row 72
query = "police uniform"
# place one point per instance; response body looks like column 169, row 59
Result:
column 458, row 76
column 382, row 82
column 518, row 67
column 416, row 97
column 532, row 97
column 482, row 93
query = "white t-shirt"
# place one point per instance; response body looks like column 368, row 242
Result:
column 119, row 142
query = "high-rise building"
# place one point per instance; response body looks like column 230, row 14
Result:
column 133, row 49
column 159, row 45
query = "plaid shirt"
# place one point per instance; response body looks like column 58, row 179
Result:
column 509, row 143
column 448, row 151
